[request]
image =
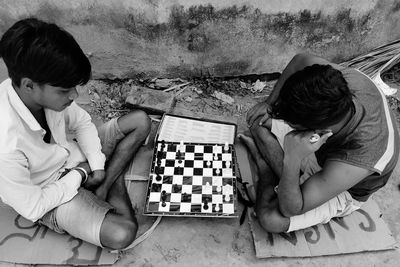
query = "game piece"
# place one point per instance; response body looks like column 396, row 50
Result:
column 227, row 198
column 162, row 148
column 163, row 203
column 215, row 156
column 227, row 164
column 181, row 146
column 228, row 189
column 219, row 189
column 208, row 163
column 217, row 171
column 158, row 178
column 226, row 147
column 216, row 207
column 175, row 188
column 163, row 195
column 179, row 156
column 205, row 204
column 208, row 187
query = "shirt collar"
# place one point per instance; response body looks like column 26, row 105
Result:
column 20, row 107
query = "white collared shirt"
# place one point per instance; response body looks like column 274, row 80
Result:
column 29, row 167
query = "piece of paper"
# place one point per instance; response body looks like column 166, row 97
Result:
column 177, row 129
column 21, row 241
column 363, row 230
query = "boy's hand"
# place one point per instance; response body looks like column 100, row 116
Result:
column 86, row 166
column 261, row 109
column 95, row 179
column 300, row 144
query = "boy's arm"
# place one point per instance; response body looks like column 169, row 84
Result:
column 27, row 199
column 80, row 122
column 298, row 62
column 335, row 177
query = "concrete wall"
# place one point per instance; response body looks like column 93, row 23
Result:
column 186, row 38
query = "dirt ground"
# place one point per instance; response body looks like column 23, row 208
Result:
column 222, row 242
column 202, row 242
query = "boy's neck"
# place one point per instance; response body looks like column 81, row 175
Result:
column 27, row 100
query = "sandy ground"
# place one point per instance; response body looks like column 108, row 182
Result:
column 223, row 242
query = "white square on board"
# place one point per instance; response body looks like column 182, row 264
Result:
column 185, row 207
column 187, row 188
column 177, row 179
column 169, row 170
column 187, row 171
column 228, row 208
column 154, row 196
column 176, row 197
column 197, row 180
column 216, row 198
column 165, row 209
column 196, row 198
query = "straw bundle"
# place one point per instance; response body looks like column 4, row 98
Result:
column 378, row 63
column 371, row 63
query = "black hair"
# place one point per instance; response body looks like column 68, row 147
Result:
column 316, row 97
column 45, row 53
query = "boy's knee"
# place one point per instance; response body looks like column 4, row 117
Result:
column 137, row 121
column 273, row 222
column 143, row 122
column 122, row 235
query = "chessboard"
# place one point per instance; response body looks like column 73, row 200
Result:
column 192, row 179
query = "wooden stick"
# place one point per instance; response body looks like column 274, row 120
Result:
column 176, row 86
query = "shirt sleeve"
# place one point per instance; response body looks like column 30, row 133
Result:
column 86, row 134
column 29, row 200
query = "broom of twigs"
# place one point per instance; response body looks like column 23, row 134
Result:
column 371, row 62
column 381, row 62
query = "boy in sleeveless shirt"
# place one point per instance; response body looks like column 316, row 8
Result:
column 323, row 142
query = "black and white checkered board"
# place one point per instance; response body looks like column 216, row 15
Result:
column 199, row 180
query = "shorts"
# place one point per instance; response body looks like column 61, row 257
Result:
column 85, row 209
column 339, row 206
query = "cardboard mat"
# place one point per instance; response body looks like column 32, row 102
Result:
column 21, row 241
column 363, row 230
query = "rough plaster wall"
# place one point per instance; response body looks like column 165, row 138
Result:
column 163, row 38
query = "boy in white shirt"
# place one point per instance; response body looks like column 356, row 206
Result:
column 72, row 185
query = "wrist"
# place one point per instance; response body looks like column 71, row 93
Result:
column 83, row 174
column 291, row 162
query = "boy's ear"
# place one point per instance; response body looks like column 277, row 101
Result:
column 26, row 84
